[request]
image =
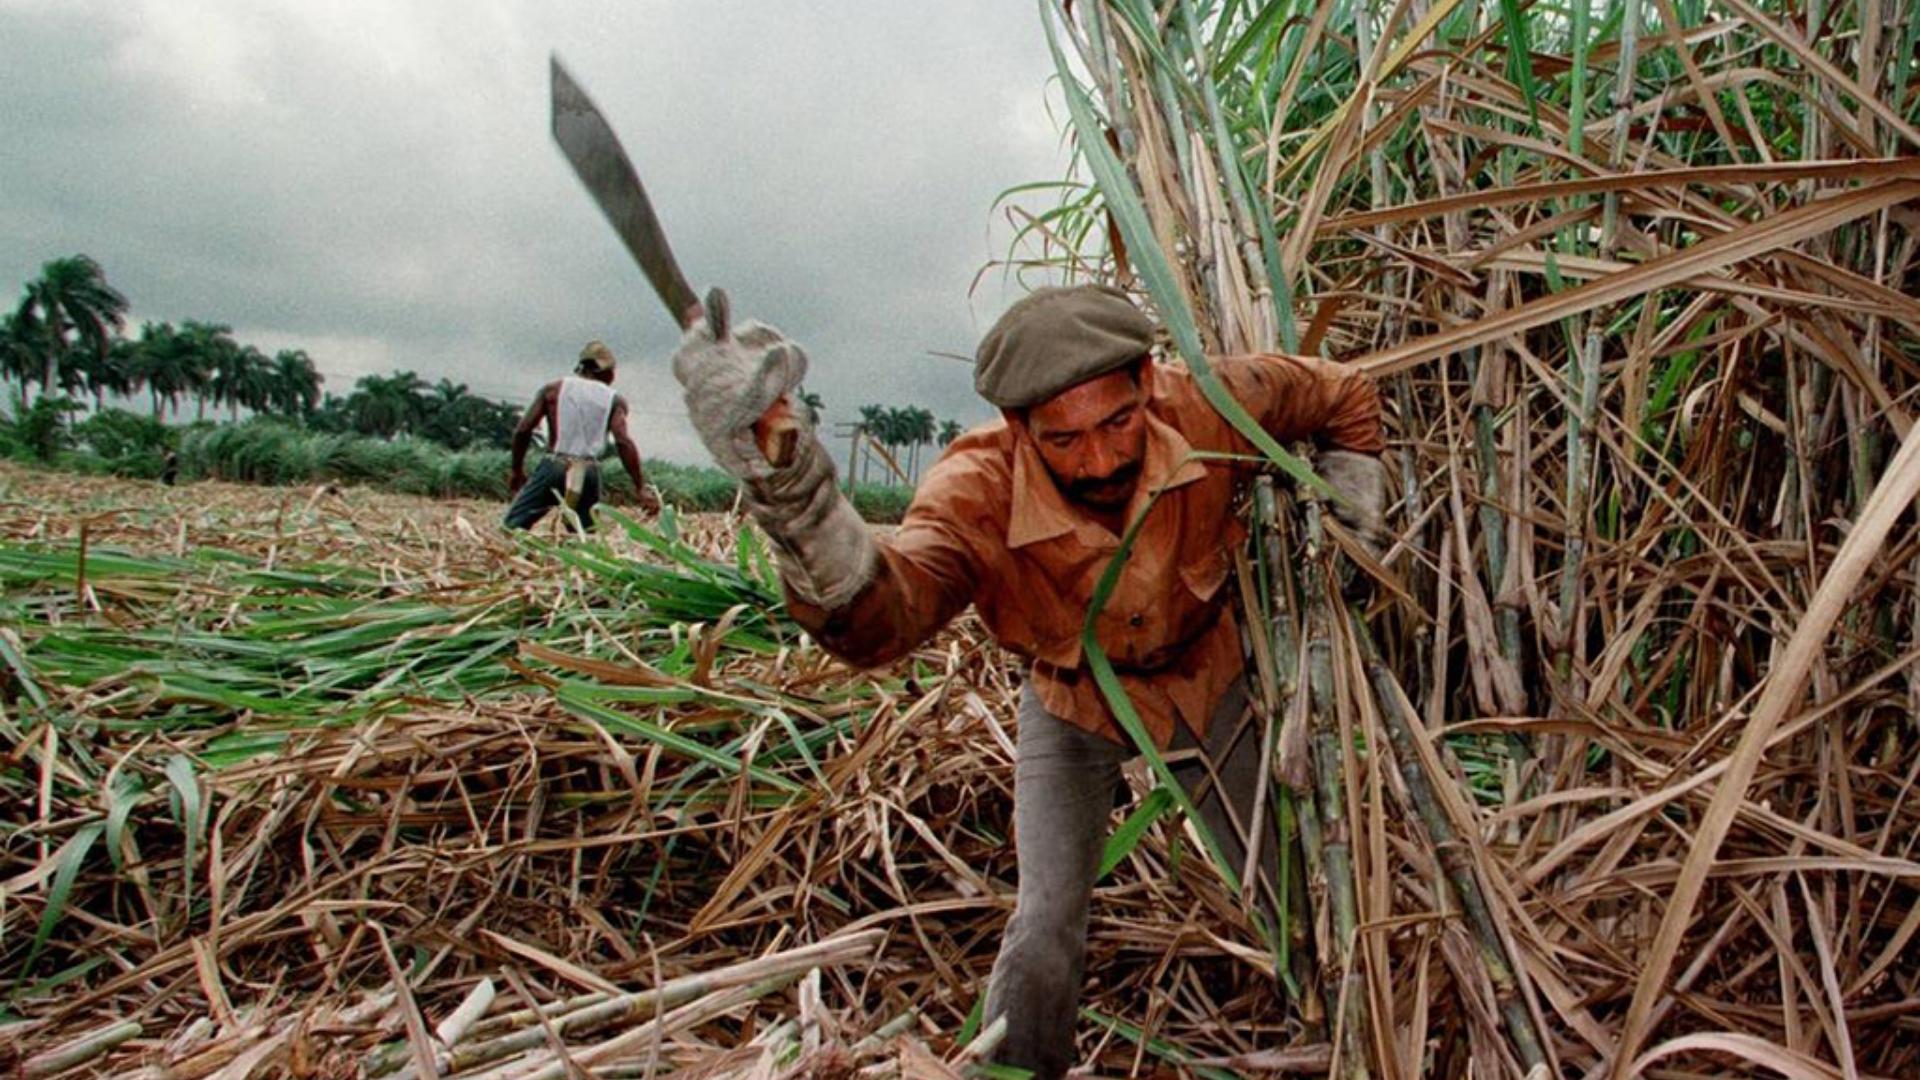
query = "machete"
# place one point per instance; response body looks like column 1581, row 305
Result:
column 601, row 163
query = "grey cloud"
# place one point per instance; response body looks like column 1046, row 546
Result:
column 376, row 182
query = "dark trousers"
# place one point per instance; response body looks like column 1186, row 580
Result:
column 544, row 490
column 1064, row 782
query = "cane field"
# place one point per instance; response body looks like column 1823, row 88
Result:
column 1606, row 768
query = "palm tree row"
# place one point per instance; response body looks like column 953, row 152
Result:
column 65, row 338
column 899, row 429
column 387, row 406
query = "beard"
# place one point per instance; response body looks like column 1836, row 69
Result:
column 1109, row 492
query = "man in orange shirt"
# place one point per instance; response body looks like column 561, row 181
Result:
column 1020, row 519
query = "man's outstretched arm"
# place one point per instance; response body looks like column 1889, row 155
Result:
column 866, row 601
column 630, row 455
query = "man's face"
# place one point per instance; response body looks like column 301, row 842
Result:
column 1093, row 437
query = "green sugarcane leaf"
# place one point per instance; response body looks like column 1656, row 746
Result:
column 1520, row 58
column 1124, row 713
column 971, row 1026
column 1581, row 31
column 577, row 703
column 72, row 856
column 1134, row 829
column 799, row 744
column 122, row 796
column 1146, row 33
column 1270, row 16
column 22, row 671
column 186, row 788
column 1164, row 1049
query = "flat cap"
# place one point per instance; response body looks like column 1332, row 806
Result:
column 598, row 354
column 1056, row 338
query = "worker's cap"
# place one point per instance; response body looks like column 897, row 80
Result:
column 598, row 355
column 1057, row 338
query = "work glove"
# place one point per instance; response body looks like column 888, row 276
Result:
column 1360, row 480
column 731, row 379
column 824, row 550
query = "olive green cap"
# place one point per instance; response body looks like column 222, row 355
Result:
column 598, row 353
column 1056, row 338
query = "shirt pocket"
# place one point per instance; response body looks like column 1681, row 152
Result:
column 1204, row 575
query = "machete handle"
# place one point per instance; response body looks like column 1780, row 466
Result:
column 777, row 432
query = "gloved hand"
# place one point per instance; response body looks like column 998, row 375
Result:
column 825, row 552
column 1361, row 480
column 730, row 380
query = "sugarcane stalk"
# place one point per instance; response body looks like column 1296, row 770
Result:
column 79, row 1051
column 1488, row 370
column 1170, row 113
column 1235, row 182
column 1112, row 83
column 603, row 1010
column 1342, row 981
column 1144, row 116
column 519, row 1018
column 1453, row 853
column 697, row 1012
column 1579, row 443
column 1622, row 116
column 892, row 1028
column 1295, row 810
column 457, row 1025
column 1493, row 519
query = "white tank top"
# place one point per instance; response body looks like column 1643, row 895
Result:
column 584, row 407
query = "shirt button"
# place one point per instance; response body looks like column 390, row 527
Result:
column 1136, row 619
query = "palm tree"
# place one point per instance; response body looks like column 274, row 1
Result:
column 229, row 363
column 412, row 392
column 334, row 415
column 949, row 431
column 296, row 383
column 208, row 358
column 920, row 432
column 254, row 385
column 117, row 372
column 814, row 407
column 386, row 405
column 70, row 295
column 448, row 414
column 872, row 418
column 899, row 427
column 18, row 360
column 166, row 362
column 894, row 425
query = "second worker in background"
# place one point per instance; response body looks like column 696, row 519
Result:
column 581, row 411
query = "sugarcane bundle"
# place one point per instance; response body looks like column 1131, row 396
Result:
column 1623, row 737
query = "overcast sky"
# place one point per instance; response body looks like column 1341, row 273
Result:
column 375, row 182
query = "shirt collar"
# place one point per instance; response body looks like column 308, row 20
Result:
column 1040, row 512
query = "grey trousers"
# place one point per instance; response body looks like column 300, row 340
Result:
column 545, row 489
column 1064, row 786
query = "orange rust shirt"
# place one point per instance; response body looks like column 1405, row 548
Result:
column 989, row 527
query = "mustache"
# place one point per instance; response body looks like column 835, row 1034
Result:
column 1090, row 488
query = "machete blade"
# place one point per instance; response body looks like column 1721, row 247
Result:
column 601, row 163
